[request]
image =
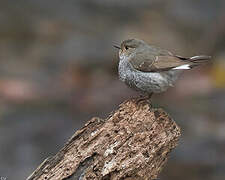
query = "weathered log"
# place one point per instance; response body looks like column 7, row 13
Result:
column 132, row 143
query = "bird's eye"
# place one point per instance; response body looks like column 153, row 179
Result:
column 126, row 47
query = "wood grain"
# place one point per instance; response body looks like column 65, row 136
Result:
column 132, row 143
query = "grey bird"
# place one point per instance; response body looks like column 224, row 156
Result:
column 149, row 69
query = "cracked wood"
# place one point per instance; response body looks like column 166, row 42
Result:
column 132, row 143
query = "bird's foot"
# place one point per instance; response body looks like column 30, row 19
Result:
column 145, row 98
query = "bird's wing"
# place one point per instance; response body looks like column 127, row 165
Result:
column 157, row 63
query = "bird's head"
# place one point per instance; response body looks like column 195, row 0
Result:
column 130, row 47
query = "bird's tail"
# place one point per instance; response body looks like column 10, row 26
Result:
column 199, row 60
column 191, row 62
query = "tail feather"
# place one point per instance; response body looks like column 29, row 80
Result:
column 193, row 61
column 201, row 58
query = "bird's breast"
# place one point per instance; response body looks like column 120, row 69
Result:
column 145, row 81
column 125, row 70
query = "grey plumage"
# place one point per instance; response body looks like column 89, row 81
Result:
column 146, row 82
column 149, row 69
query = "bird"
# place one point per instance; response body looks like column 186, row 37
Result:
column 150, row 69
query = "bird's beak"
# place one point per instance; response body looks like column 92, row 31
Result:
column 117, row 47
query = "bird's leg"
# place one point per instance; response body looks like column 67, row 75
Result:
column 150, row 95
column 144, row 97
column 149, row 98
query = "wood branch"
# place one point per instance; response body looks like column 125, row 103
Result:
column 132, row 143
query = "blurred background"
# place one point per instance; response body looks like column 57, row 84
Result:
column 58, row 69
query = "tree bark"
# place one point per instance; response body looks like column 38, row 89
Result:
column 132, row 143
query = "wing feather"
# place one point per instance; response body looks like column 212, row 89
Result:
column 157, row 63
